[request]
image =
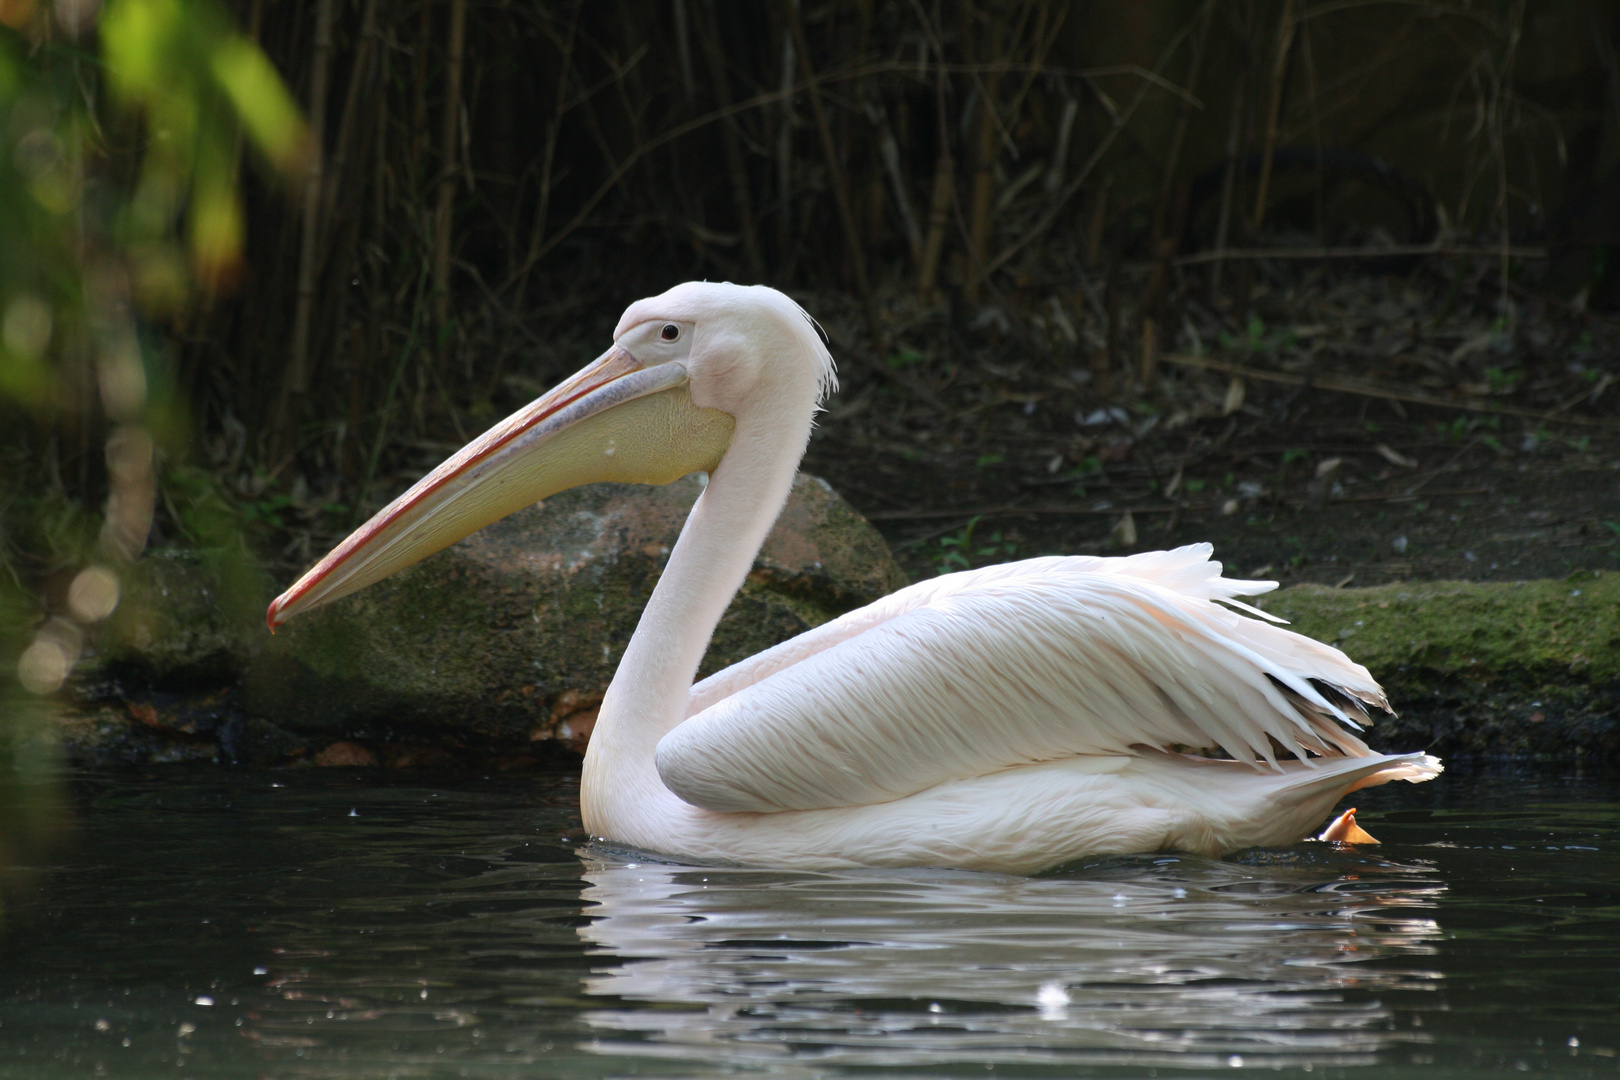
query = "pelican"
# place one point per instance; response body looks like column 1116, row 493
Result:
column 1009, row 718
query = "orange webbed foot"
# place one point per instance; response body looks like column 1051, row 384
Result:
column 1344, row 830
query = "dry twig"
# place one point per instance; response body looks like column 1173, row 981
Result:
column 1365, row 389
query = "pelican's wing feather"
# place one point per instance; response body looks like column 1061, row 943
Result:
column 1027, row 662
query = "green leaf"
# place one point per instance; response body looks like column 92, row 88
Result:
column 261, row 100
column 139, row 43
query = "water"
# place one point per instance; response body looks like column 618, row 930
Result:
column 202, row 924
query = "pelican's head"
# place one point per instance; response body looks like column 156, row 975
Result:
column 746, row 348
column 686, row 369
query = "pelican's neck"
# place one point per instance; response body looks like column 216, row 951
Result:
column 716, row 549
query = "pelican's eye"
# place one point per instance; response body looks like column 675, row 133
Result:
column 670, row 332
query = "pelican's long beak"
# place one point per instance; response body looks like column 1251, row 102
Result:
column 613, row 420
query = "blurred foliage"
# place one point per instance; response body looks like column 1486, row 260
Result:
column 121, row 131
column 198, row 85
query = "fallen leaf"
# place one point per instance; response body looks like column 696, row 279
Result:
column 1395, row 457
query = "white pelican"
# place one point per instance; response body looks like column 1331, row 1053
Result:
column 1009, row 718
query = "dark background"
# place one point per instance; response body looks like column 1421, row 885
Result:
column 1330, row 282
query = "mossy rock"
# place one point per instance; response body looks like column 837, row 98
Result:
column 156, row 682
column 1526, row 668
column 184, row 618
column 510, row 636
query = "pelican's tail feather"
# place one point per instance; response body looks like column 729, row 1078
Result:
column 1242, row 808
column 1413, row 768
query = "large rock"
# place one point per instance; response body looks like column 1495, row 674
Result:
column 1528, row 669
column 157, row 682
column 512, row 635
column 183, row 619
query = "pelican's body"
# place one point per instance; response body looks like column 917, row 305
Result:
column 1009, row 718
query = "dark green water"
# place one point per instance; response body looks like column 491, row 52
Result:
column 202, row 924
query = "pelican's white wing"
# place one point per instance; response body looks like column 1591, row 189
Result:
column 1014, row 664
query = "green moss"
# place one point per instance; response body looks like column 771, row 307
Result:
column 185, row 618
column 1481, row 667
column 757, row 618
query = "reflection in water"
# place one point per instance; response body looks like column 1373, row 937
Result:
column 1150, row 960
column 306, row 927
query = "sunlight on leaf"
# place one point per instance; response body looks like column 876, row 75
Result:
column 262, row 103
column 198, row 84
